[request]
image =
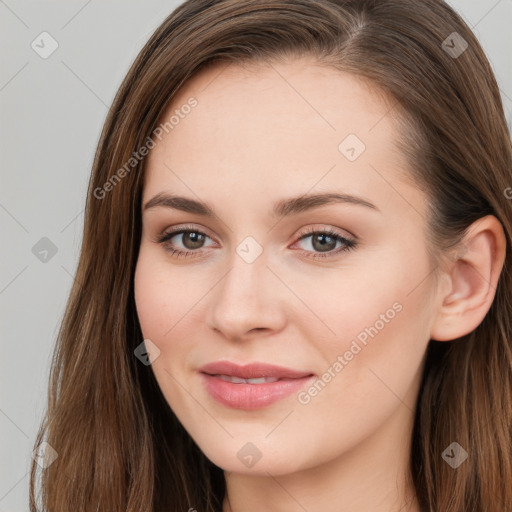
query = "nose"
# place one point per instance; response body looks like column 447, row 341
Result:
column 247, row 300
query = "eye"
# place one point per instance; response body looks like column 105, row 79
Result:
column 188, row 241
column 326, row 243
column 191, row 240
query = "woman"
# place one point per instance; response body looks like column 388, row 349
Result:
column 293, row 290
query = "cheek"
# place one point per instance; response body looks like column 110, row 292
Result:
column 150, row 299
column 372, row 300
column 164, row 309
column 162, row 297
column 372, row 371
column 375, row 316
column 382, row 332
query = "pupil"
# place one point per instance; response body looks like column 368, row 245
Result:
column 323, row 240
column 194, row 239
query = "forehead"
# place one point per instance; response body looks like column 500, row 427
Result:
column 295, row 125
column 268, row 103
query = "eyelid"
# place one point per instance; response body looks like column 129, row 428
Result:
column 180, row 228
column 309, row 230
column 350, row 241
column 315, row 228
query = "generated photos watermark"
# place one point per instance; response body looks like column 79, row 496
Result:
column 137, row 156
column 305, row 396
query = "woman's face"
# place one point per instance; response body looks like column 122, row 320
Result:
column 338, row 290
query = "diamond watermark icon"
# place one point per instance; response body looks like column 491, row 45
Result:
column 44, row 455
column 44, row 250
column 44, row 45
column 249, row 454
column 249, row 249
column 147, row 352
column 455, row 45
column 454, row 455
column 352, row 147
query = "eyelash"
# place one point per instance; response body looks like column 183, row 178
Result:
column 179, row 253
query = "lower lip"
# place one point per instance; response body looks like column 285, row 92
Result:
column 252, row 396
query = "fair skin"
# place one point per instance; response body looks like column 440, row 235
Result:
column 259, row 135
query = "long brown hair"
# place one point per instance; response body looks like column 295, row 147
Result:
column 120, row 447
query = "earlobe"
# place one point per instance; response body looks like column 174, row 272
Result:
column 474, row 278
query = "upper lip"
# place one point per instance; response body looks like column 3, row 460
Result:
column 252, row 370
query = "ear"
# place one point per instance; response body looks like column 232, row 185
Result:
column 473, row 278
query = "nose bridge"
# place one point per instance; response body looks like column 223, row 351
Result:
column 245, row 297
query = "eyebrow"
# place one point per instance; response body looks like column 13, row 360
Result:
column 282, row 208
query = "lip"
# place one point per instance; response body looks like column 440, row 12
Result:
column 252, row 396
column 252, row 370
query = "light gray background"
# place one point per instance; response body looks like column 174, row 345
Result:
column 51, row 112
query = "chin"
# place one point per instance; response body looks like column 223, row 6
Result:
column 255, row 458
